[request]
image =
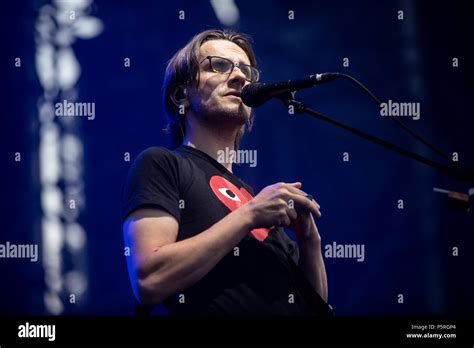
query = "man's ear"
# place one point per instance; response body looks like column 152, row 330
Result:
column 180, row 97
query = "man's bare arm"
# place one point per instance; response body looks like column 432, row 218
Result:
column 311, row 264
column 311, row 260
column 159, row 266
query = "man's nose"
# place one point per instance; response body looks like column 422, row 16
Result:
column 237, row 77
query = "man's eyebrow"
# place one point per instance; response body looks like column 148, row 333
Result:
column 241, row 61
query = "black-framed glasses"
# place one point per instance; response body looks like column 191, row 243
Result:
column 223, row 65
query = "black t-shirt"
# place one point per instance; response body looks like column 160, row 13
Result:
column 258, row 277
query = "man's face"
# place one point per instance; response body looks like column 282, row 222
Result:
column 214, row 100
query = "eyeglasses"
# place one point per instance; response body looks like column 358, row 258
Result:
column 226, row 66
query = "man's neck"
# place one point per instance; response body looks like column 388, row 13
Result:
column 211, row 141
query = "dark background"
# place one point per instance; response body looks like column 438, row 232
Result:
column 407, row 251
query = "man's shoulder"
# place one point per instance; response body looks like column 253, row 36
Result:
column 158, row 155
column 155, row 152
column 156, row 159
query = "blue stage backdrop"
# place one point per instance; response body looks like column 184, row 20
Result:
column 62, row 177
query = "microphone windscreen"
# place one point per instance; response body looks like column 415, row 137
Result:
column 252, row 94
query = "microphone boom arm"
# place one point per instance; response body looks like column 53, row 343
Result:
column 466, row 175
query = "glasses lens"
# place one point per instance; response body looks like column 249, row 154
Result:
column 251, row 74
column 255, row 75
column 221, row 65
column 247, row 71
column 225, row 66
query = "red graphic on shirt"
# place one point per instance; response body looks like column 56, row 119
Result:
column 233, row 198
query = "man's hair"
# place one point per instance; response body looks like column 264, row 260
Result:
column 183, row 70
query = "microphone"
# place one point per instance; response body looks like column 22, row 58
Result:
column 257, row 93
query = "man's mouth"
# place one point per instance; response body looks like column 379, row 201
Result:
column 233, row 94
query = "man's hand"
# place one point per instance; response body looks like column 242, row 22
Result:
column 305, row 227
column 279, row 205
column 287, row 205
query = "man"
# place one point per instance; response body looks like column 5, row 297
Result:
column 200, row 242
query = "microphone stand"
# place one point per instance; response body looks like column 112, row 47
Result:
column 461, row 174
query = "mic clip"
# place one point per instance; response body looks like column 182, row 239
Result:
column 293, row 105
column 461, row 200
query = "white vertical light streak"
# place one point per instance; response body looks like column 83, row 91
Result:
column 61, row 150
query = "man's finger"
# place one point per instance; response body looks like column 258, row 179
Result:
column 303, row 202
column 295, row 190
column 295, row 184
column 291, row 213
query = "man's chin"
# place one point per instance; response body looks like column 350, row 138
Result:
column 236, row 115
column 238, row 119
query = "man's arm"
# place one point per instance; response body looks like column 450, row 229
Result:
column 311, row 260
column 159, row 266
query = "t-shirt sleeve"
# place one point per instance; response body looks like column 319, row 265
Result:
column 153, row 181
